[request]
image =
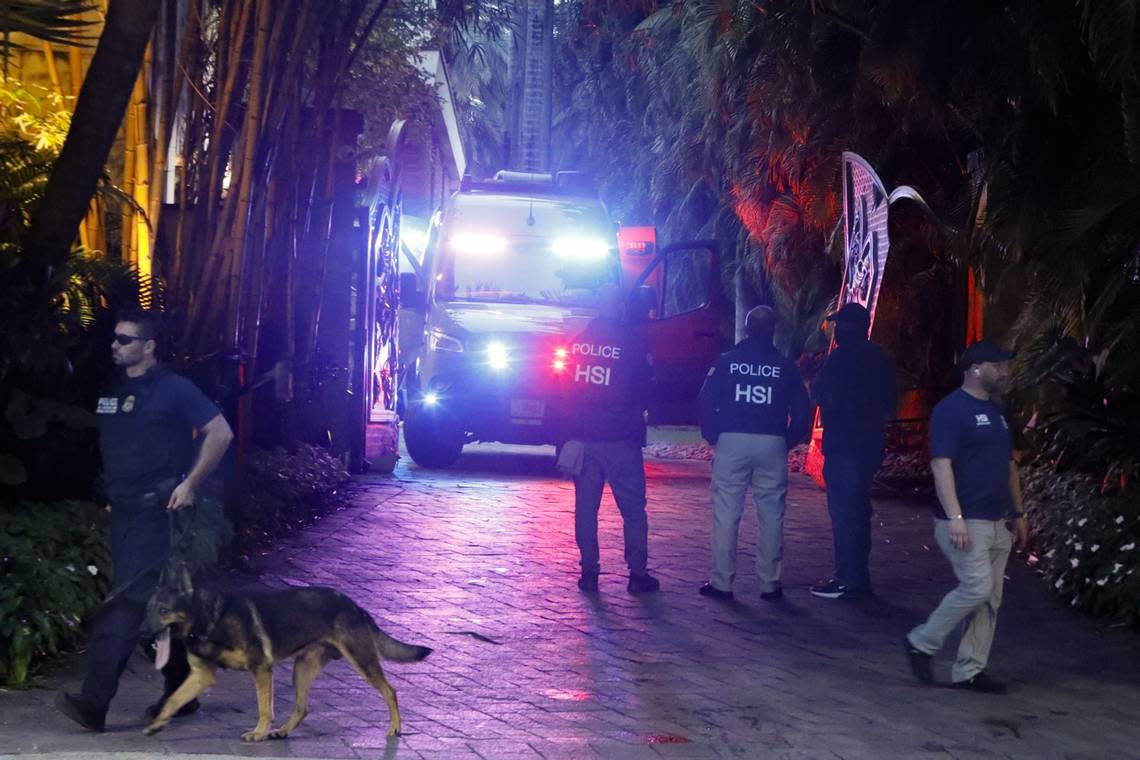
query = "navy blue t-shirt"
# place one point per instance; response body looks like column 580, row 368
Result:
column 974, row 436
column 146, row 430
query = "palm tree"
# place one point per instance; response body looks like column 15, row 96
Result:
column 98, row 113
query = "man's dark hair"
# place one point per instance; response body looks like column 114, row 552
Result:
column 149, row 322
column 761, row 323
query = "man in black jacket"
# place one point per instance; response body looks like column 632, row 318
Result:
column 610, row 372
column 753, row 408
column 857, row 395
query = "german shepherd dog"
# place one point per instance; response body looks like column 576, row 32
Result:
column 254, row 631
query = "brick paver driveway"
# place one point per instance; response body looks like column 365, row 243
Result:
column 479, row 562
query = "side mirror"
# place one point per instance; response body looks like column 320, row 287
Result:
column 411, row 297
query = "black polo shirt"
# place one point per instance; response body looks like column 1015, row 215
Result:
column 146, row 430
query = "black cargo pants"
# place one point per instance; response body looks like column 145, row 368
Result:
column 140, row 546
column 621, row 465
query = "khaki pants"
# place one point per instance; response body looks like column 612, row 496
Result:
column 980, row 570
column 762, row 461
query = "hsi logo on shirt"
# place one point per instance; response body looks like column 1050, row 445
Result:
column 107, row 405
column 981, row 420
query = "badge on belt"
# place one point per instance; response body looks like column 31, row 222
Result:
column 128, row 404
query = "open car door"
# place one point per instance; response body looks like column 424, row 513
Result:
column 683, row 326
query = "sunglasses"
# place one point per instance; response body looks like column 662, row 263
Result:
column 126, row 340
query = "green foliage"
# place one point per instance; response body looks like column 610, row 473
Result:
column 54, row 567
column 49, row 20
column 1090, row 542
column 1086, row 420
column 384, row 83
column 202, row 533
column 284, row 489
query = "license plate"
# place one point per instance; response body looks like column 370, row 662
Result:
column 528, row 408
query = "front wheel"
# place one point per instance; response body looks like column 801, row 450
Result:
column 433, row 440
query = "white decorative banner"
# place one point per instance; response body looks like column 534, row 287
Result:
column 865, row 204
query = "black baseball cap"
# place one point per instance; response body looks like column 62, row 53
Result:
column 851, row 313
column 982, row 351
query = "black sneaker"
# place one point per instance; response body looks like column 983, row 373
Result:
column 981, row 683
column 919, row 662
column 588, row 582
column 642, row 583
column 83, row 712
column 710, row 590
column 833, row 589
column 189, row 708
column 772, row 596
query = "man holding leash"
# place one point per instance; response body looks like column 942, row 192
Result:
column 971, row 455
column 149, row 425
column 753, row 408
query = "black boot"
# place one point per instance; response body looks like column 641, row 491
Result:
column 642, row 583
column 84, row 712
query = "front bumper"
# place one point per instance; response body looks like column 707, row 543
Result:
column 522, row 403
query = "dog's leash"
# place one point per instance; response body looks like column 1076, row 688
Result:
column 120, row 589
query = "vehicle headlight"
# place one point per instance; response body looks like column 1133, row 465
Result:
column 441, row 341
column 497, row 356
column 581, row 248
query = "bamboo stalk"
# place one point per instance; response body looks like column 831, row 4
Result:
column 219, row 158
column 53, row 72
column 126, row 229
column 251, row 130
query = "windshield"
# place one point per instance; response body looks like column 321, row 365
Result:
column 504, row 249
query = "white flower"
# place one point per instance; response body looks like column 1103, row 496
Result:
column 1128, row 546
column 1060, row 582
column 1074, row 562
column 1074, row 602
column 1070, row 522
column 1082, row 521
column 1078, row 546
column 1119, row 519
column 1050, row 554
column 1093, row 548
column 92, row 569
column 1116, row 567
column 1102, row 581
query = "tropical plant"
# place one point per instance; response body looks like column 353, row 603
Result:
column 54, row 567
column 285, row 489
column 47, row 20
column 1089, row 542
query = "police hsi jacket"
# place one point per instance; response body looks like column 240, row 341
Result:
column 608, row 383
column 755, row 389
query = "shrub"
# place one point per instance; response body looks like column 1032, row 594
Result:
column 55, row 562
column 285, row 489
column 1090, row 541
